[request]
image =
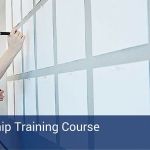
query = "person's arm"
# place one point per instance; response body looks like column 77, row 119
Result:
column 15, row 43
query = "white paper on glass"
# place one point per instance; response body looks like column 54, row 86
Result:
column 30, row 97
column 19, row 97
column 73, row 93
column 122, row 90
column 70, row 30
column 46, row 95
column 10, row 92
column 28, row 48
column 118, row 24
column 44, row 29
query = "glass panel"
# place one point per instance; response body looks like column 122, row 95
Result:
column 10, row 70
column 73, row 93
column 118, row 24
column 16, row 20
column 8, row 28
column 45, row 56
column 18, row 63
column 28, row 28
column 27, row 6
column 71, row 30
column 19, row 97
column 8, row 15
column 10, row 92
column 29, row 59
column 30, row 97
column 46, row 95
column 16, row 12
column 122, row 90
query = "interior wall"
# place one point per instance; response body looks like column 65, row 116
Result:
column 3, row 104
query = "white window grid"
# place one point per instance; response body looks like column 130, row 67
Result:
column 124, row 56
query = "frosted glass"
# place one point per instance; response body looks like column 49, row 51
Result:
column 122, row 90
column 118, row 24
column 73, row 93
column 70, row 30
column 28, row 48
column 45, row 56
column 10, row 92
column 46, row 95
column 30, row 97
column 19, row 97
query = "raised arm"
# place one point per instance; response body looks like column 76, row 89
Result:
column 15, row 43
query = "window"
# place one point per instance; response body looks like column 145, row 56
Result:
column 16, row 20
column 46, row 95
column 8, row 28
column 11, row 103
column 72, row 93
column 28, row 29
column 118, row 24
column 70, row 30
column 45, row 56
column 81, row 58
column 30, row 97
column 122, row 89
column 19, row 97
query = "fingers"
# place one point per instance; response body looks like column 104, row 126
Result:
column 13, row 31
column 1, row 94
column 23, row 38
column 20, row 35
column 16, row 33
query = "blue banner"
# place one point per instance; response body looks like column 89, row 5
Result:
column 75, row 132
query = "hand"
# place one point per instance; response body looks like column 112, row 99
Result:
column 1, row 95
column 15, row 41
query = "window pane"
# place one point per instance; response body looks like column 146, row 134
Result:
column 28, row 28
column 71, row 30
column 8, row 15
column 46, row 95
column 18, row 63
column 27, row 6
column 16, row 12
column 10, row 91
column 8, row 28
column 122, row 90
column 16, row 20
column 118, row 24
column 45, row 56
column 29, row 59
column 19, row 97
column 10, row 70
column 30, row 97
column 73, row 93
